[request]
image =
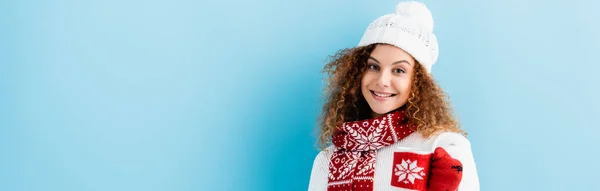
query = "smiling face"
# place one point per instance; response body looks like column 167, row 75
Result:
column 386, row 83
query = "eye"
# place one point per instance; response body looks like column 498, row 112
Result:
column 398, row 70
column 373, row 67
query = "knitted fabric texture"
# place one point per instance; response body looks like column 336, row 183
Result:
column 457, row 146
column 446, row 172
column 410, row 28
column 352, row 165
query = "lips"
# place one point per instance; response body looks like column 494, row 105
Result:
column 382, row 95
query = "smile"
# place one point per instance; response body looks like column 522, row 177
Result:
column 382, row 95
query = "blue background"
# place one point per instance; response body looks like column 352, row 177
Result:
column 224, row 95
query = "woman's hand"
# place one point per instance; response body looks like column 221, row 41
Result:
column 445, row 173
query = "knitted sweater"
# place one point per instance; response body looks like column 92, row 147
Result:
column 455, row 144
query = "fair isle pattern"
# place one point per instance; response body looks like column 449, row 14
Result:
column 408, row 171
column 352, row 165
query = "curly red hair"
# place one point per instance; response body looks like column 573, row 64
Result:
column 428, row 106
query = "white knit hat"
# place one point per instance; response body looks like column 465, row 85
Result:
column 410, row 28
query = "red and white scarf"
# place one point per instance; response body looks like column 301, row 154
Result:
column 352, row 165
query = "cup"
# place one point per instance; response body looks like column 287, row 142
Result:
column 411, row 168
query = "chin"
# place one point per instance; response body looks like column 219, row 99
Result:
column 381, row 111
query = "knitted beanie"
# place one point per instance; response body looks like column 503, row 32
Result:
column 410, row 28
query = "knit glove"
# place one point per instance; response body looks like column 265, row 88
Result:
column 445, row 172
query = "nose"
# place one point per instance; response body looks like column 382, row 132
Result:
column 384, row 79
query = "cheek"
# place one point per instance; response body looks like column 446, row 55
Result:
column 364, row 81
column 403, row 85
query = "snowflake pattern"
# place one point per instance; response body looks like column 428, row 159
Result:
column 369, row 139
column 353, row 163
column 370, row 142
column 408, row 171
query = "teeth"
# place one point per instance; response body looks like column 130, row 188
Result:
column 382, row 95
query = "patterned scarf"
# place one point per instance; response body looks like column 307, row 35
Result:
column 352, row 165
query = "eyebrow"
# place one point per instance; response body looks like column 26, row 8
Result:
column 397, row 62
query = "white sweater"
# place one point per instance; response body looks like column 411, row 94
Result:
column 455, row 144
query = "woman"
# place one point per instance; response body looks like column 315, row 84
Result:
column 381, row 98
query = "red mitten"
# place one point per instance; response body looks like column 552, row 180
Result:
column 445, row 172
